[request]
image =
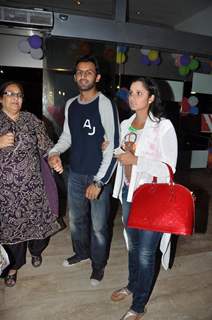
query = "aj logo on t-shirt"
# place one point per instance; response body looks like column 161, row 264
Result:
column 87, row 124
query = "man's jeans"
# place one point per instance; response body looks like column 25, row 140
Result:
column 141, row 259
column 89, row 220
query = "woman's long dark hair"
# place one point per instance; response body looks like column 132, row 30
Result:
column 156, row 107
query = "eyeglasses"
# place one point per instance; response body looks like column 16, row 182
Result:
column 18, row 95
column 86, row 73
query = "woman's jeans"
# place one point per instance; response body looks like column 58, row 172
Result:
column 141, row 259
column 88, row 220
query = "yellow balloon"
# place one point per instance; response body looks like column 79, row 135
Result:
column 120, row 57
column 153, row 55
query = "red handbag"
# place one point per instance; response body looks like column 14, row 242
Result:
column 163, row 207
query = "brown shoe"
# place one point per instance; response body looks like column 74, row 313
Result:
column 120, row 294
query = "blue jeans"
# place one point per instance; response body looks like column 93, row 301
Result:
column 141, row 259
column 88, row 220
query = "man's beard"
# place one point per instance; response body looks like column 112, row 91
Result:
column 86, row 87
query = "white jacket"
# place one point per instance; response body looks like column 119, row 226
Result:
column 156, row 144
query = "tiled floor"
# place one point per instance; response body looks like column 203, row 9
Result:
column 182, row 293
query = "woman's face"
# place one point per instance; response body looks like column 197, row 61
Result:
column 12, row 99
column 139, row 98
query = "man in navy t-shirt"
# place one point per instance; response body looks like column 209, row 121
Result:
column 90, row 120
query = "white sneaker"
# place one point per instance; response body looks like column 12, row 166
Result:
column 69, row 262
column 95, row 282
column 96, row 277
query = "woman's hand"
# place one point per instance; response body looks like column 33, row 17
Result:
column 7, row 140
column 127, row 158
column 55, row 163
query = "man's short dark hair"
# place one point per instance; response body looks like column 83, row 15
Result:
column 88, row 58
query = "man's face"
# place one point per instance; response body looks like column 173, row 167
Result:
column 86, row 76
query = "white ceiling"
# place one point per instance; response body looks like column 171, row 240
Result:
column 152, row 23
column 165, row 13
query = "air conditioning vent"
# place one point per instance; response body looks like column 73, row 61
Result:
column 15, row 16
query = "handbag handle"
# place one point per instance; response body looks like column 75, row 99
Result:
column 171, row 174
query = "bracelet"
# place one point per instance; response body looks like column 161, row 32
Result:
column 98, row 184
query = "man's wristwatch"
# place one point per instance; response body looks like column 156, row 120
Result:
column 98, row 184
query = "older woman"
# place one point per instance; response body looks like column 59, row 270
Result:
column 25, row 216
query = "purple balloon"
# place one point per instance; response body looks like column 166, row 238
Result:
column 145, row 59
column 35, row 41
column 157, row 61
column 185, row 60
column 205, row 67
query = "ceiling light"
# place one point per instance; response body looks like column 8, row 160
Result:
column 78, row 2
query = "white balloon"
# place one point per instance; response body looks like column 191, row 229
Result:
column 23, row 46
column 174, row 55
column 36, row 53
column 144, row 51
column 193, row 101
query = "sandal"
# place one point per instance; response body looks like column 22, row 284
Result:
column 10, row 279
column 36, row 261
column 120, row 294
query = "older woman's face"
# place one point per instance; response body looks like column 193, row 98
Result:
column 12, row 100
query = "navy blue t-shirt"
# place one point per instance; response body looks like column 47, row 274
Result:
column 87, row 136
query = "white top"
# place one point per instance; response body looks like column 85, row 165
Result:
column 156, row 144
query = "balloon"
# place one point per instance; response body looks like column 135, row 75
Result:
column 109, row 54
column 153, row 55
column 174, row 55
column 193, row 101
column 185, row 105
column 85, row 48
column 145, row 60
column 23, row 46
column 145, row 51
column 185, row 60
column 183, row 70
column 157, row 61
column 57, row 113
column 194, row 110
column 177, row 60
column 122, row 49
column 205, row 67
column 35, row 41
column 123, row 93
column 194, row 64
column 36, row 53
column 120, row 57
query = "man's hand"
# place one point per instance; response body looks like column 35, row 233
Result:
column 55, row 163
column 92, row 192
column 7, row 140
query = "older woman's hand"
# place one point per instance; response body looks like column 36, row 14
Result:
column 7, row 140
column 55, row 163
column 127, row 158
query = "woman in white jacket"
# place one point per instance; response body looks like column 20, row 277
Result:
column 147, row 142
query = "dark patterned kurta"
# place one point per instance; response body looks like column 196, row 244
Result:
column 24, row 207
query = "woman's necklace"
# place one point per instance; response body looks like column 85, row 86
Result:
column 132, row 129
